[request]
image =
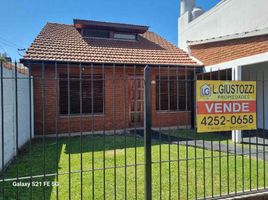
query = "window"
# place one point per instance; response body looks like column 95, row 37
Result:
column 125, row 36
column 90, row 89
column 108, row 34
column 96, row 33
column 172, row 94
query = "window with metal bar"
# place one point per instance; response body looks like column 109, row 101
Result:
column 172, row 94
column 91, row 88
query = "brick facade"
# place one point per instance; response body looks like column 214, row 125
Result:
column 46, row 97
column 223, row 51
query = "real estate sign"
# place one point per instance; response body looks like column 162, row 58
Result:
column 225, row 105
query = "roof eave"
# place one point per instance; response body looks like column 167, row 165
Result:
column 28, row 61
column 250, row 34
column 79, row 23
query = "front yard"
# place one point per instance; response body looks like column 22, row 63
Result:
column 196, row 166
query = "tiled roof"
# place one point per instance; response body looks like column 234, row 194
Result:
column 60, row 42
column 224, row 51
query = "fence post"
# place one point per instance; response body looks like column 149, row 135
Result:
column 147, row 133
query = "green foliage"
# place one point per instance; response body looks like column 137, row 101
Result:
column 3, row 56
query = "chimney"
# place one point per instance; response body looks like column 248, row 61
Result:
column 188, row 13
column 197, row 12
column 187, row 6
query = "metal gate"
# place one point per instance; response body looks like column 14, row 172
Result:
column 75, row 131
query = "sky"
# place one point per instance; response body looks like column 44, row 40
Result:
column 22, row 20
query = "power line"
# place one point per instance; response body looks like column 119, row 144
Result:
column 3, row 49
column 8, row 42
column 21, row 50
column 8, row 45
column 18, row 49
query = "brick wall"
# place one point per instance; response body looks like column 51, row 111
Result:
column 46, row 96
column 219, row 52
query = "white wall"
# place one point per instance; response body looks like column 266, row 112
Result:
column 226, row 18
column 24, row 124
column 259, row 73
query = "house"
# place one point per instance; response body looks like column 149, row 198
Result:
column 88, row 76
column 232, row 39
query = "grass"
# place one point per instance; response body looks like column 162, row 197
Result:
column 174, row 175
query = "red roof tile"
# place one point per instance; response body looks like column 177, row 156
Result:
column 60, row 42
column 213, row 53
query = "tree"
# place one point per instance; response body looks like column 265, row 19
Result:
column 3, row 56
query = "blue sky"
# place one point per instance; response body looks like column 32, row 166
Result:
column 22, row 20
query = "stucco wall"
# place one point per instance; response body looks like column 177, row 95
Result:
column 259, row 72
column 226, row 18
column 9, row 118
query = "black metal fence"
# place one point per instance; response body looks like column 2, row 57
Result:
column 113, row 131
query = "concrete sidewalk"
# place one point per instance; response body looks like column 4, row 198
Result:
column 252, row 147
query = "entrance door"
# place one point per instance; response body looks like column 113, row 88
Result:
column 136, row 101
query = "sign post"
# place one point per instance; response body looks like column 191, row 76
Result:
column 225, row 105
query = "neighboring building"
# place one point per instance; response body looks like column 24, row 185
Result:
column 109, row 57
column 228, row 17
column 233, row 37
